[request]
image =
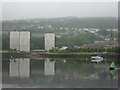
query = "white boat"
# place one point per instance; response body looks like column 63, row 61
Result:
column 97, row 59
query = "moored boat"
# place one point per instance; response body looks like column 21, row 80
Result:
column 97, row 59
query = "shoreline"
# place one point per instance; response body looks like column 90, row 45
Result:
column 57, row 55
column 82, row 55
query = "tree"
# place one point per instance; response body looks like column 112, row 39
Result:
column 5, row 41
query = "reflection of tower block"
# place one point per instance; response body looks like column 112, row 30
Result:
column 19, row 67
column 24, row 67
column 13, row 68
column 49, row 67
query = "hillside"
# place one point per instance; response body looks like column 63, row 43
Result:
column 57, row 24
column 70, row 31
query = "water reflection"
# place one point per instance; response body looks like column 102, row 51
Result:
column 19, row 67
column 49, row 67
column 58, row 72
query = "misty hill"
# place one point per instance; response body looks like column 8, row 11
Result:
column 70, row 31
column 59, row 24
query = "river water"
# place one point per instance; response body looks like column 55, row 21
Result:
column 57, row 73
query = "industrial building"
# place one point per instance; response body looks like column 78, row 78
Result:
column 20, row 40
column 49, row 41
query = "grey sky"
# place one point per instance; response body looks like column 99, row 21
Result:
column 58, row 9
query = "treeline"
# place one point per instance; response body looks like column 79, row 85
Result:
column 78, row 40
column 109, row 49
column 5, row 41
column 88, row 50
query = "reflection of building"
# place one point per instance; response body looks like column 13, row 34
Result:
column 19, row 67
column 49, row 67
column 13, row 68
column 49, row 41
column 20, row 40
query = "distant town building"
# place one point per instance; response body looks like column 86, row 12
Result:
column 20, row 40
column 49, row 41
column 63, row 48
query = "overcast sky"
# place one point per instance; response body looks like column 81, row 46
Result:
column 27, row 10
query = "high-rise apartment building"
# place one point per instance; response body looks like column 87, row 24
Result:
column 49, row 41
column 25, row 41
column 20, row 40
column 14, row 40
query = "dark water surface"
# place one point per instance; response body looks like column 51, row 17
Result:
column 57, row 73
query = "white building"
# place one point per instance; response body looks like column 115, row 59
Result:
column 25, row 41
column 20, row 40
column 63, row 48
column 14, row 40
column 49, row 41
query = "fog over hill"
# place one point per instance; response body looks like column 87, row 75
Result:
column 63, row 22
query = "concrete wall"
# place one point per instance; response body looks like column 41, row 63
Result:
column 20, row 40
column 49, row 41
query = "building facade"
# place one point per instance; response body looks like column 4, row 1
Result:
column 25, row 41
column 49, row 41
column 14, row 40
column 20, row 40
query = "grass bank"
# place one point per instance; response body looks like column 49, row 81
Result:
column 78, row 53
column 4, row 51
